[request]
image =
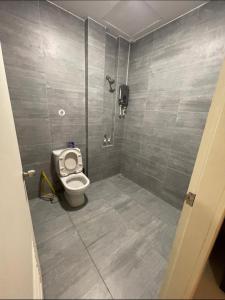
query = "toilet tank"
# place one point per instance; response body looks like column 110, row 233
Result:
column 56, row 154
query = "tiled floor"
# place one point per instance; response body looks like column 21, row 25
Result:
column 114, row 247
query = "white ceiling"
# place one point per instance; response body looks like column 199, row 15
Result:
column 130, row 19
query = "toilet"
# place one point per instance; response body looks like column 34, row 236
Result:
column 69, row 167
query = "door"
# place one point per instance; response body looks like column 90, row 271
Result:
column 199, row 224
column 19, row 268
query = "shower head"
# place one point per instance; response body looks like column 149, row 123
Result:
column 109, row 79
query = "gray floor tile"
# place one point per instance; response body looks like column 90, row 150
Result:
column 157, row 236
column 116, row 246
column 119, row 252
column 129, row 275
column 134, row 215
column 65, row 247
column 152, row 290
column 43, row 211
column 144, row 197
column 101, row 190
column 73, row 280
column 99, row 226
column 106, row 248
column 165, row 212
column 91, row 210
column 164, row 238
column 156, row 206
column 124, row 184
column 119, row 200
column 140, row 221
column 98, row 291
column 46, row 230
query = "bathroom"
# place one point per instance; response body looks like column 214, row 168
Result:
column 128, row 104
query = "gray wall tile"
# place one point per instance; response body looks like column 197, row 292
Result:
column 175, row 187
column 106, row 56
column 33, row 131
column 35, row 153
column 43, row 50
column 181, row 161
column 172, row 77
column 191, row 119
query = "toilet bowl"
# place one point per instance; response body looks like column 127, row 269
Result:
column 69, row 166
column 75, row 186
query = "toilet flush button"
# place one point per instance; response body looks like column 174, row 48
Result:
column 61, row 112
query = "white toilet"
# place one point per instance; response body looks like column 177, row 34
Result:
column 69, row 167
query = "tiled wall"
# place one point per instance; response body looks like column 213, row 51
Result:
column 111, row 60
column 103, row 53
column 122, row 77
column 44, row 54
column 172, row 77
column 43, row 49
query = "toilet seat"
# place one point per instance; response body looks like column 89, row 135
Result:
column 70, row 161
column 75, row 182
column 69, row 167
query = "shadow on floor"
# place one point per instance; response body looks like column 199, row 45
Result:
column 65, row 205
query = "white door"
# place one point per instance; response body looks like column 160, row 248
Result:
column 199, row 224
column 19, row 268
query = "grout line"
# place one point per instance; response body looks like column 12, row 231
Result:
column 100, row 24
column 86, row 33
column 133, row 236
column 128, row 64
column 163, row 25
column 116, row 90
column 115, row 37
column 65, row 10
column 117, row 29
column 44, row 71
column 129, row 38
column 90, row 256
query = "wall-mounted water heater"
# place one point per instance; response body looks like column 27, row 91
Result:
column 123, row 99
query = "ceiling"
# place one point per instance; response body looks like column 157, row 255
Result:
column 129, row 19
